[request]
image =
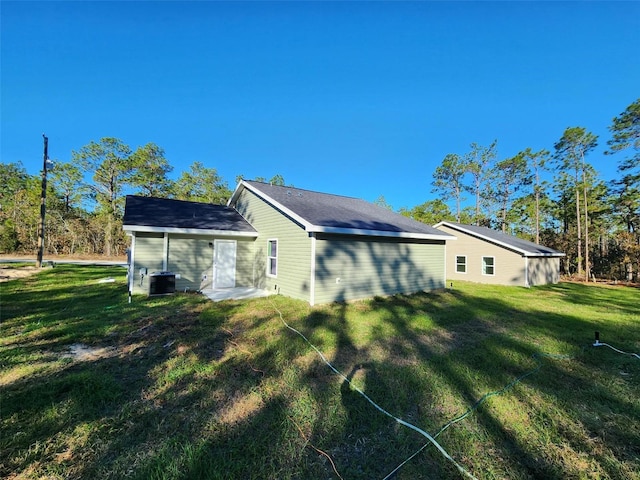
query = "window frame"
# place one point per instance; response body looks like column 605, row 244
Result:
column 272, row 257
column 492, row 266
column 463, row 264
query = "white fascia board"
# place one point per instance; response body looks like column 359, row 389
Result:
column 497, row 242
column 187, row 231
column 236, row 192
column 311, row 228
column 294, row 216
column 379, row 233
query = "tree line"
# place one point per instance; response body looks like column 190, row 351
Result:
column 597, row 224
column 85, row 197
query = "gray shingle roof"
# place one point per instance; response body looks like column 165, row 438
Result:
column 525, row 247
column 323, row 212
column 163, row 213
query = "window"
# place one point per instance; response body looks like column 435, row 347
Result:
column 488, row 265
column 272, row 258
column 461, row 264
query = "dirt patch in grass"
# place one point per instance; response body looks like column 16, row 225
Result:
column 84, row 353
column 11, row 273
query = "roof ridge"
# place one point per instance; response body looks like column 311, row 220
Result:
column 304, row 190
column 320, row 212
column 176, row 200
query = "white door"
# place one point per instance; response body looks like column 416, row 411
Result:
column 224, row 263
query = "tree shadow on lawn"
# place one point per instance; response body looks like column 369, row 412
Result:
column 118, row 393
column 495, row 356
column 481, row 355
column 236, row 421
column 365, row 443
column 199, row 391
column 176, row 386
column 212, row 392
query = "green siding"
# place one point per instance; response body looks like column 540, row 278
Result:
column 365, row 266
column 148, row 254
column 349, row 268
column 294, row 247
column 191, row 257
column 245, row 263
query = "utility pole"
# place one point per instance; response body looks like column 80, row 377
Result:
column 43, row 201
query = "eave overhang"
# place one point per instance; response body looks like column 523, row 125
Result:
column 524, row 253
column 311, row 228
column 188, row 231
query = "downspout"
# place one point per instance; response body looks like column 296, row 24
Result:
column 312, row 279
column 526, row 272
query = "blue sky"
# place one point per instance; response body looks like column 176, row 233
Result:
column 359, row 99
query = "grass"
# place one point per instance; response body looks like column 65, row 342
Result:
column 177, row 387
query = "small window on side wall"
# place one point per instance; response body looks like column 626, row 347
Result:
column 488, row 265
column 461, row 264
column 272, row 258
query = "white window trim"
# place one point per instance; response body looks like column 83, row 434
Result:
column 269, row 274
column 482, row 266
column 465, row 265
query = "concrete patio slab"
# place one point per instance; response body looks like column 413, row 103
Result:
column 237, row 293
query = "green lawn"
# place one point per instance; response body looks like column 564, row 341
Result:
column 178, row 387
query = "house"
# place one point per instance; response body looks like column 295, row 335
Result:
column 182, row 237
column 484, row 255
column 313, row 246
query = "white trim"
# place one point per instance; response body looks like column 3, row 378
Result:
column 311, row 228
column 379, row 233
column 482, row 266
column 526, row 272
column 236, row 192
column 165, row 252
column 307, row 226
column 466, row 265
column 132, row 266
column 498, row 242
column 312, row 279
column 187, row 231
column 269, row 257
